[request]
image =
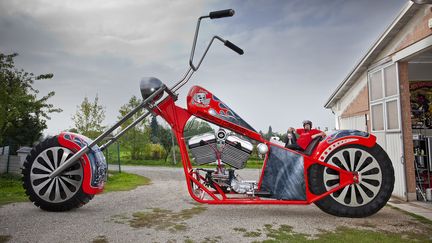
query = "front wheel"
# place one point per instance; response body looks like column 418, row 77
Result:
column 362, row 199
column 61, row 193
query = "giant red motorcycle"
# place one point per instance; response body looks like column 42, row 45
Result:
column 346, row 174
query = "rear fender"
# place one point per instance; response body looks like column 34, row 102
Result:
column 93, row 162
column 342, row 138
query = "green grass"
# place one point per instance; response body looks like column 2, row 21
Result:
column 419, row 218
column 342, row 234
column 124, row 181
column 11, row 189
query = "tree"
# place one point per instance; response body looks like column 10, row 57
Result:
column 22, row 115
column 195, row 127
column 154, row 125
column 269, row 133
column 166, row 140
column 137, row 137
column 89, row 118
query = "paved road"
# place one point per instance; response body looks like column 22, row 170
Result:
column 110, row 217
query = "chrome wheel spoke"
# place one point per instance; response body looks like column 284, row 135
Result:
column 47, row 160
column 353, row 196
column 329, row 177
column 376, row 177
column 70, row 181
column 368, row 168
column 42, row 185
column 363, row 194
column 343, row 193
column 39, row 176
column 68, row 192
column 352, row 160
column 362, row 159
column 57, row 190
column 41, row 167
column 55, row 157
column 373, row 188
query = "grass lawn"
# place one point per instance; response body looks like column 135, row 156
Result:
column 124, row 181
column 11, row 189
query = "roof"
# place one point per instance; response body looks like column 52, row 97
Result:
column 401, row 20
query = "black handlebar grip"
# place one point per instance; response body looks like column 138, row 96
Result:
column 234, row 47
column 221, row 13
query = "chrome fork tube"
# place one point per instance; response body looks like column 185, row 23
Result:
column 86, row 148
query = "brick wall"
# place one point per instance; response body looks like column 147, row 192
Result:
column 359, row 106
column 407, row 130
column 419, row 31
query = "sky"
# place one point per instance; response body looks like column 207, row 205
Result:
column 296, row 52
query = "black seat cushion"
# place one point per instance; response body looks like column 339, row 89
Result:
column 312, row 145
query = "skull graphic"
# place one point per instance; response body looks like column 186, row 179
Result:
column 200, row 98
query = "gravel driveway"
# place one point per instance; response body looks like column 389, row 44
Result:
column 170, row 215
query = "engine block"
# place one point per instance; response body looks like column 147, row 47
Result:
column 232, row 150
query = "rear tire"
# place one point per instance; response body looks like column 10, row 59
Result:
column 363, row 199
column 61, row 193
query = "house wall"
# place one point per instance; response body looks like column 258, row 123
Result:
column 355, row 102
column 415, row 30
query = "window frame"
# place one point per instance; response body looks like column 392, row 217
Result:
column 385, row 99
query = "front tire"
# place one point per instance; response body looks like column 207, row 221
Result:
column 362, row 199
column 62, row 193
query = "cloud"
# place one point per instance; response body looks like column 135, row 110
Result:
column 296, row 52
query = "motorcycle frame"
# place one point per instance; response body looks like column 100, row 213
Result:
column 177, row 118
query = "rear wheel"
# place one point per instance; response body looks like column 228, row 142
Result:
column 362, row 199
column 61, row 193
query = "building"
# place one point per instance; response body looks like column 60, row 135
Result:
column 389, row 93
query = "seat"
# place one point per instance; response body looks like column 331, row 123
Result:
column 312, row 145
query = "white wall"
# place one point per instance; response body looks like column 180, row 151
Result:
column 14, row 164
column 354, row 122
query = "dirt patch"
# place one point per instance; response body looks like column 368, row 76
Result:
column 100, row 239
column 5, row 238
column 162, row 219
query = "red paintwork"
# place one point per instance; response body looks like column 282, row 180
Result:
column 87, row 174
column 177, row 118
column 202, row 110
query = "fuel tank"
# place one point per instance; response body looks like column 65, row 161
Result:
column 202, row 103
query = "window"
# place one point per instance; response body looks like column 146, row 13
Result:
column 390, row 80
column 376, row 86
column 392, row 115
column 378, row 119
column 384, row 98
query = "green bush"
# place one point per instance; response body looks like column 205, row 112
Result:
column 153, row 152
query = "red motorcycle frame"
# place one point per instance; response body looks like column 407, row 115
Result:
column 64, row 172
column 177, row 118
